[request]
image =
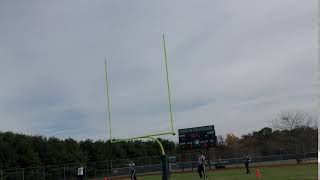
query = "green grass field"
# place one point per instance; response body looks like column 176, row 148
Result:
column 297, row 172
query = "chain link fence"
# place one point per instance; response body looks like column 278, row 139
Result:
column 144, row 165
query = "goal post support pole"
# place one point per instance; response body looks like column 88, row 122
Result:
column 163, row 157
column 164, row 160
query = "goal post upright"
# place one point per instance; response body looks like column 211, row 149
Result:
column 168, row 83
column 108, row 98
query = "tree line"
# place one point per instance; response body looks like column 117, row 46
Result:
column 292, row 132
column 288, row 134
column 19, row 150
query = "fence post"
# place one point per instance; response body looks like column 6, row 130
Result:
column 183, row 167
column 64, row 172
column 107, row 168
column 191, row 160
column 85, row 171
column 43, row 173
column 208, row 153
column 110, row 167
column 22, row 173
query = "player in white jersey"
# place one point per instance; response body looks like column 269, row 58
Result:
column 80, row 173
column 202, row 166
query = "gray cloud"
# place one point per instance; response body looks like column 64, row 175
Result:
column 233, row 64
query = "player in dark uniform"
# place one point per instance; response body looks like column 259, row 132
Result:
column 246, row 161
column 201, row 166
column 132, row 169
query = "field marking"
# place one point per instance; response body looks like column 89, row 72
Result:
column 307, row 177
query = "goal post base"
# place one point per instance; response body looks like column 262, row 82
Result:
column 165, row 167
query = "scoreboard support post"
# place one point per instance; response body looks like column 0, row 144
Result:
column 209, row 159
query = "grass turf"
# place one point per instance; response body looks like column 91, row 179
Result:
column 297, row 172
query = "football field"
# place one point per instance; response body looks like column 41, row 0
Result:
column 298, row 172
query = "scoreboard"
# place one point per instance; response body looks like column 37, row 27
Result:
column 197, row 138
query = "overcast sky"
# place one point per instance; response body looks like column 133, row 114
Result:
column 234, row 64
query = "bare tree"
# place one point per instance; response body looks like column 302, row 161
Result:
column 290, row 120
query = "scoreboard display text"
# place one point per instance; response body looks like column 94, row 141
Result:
column 197, row 138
